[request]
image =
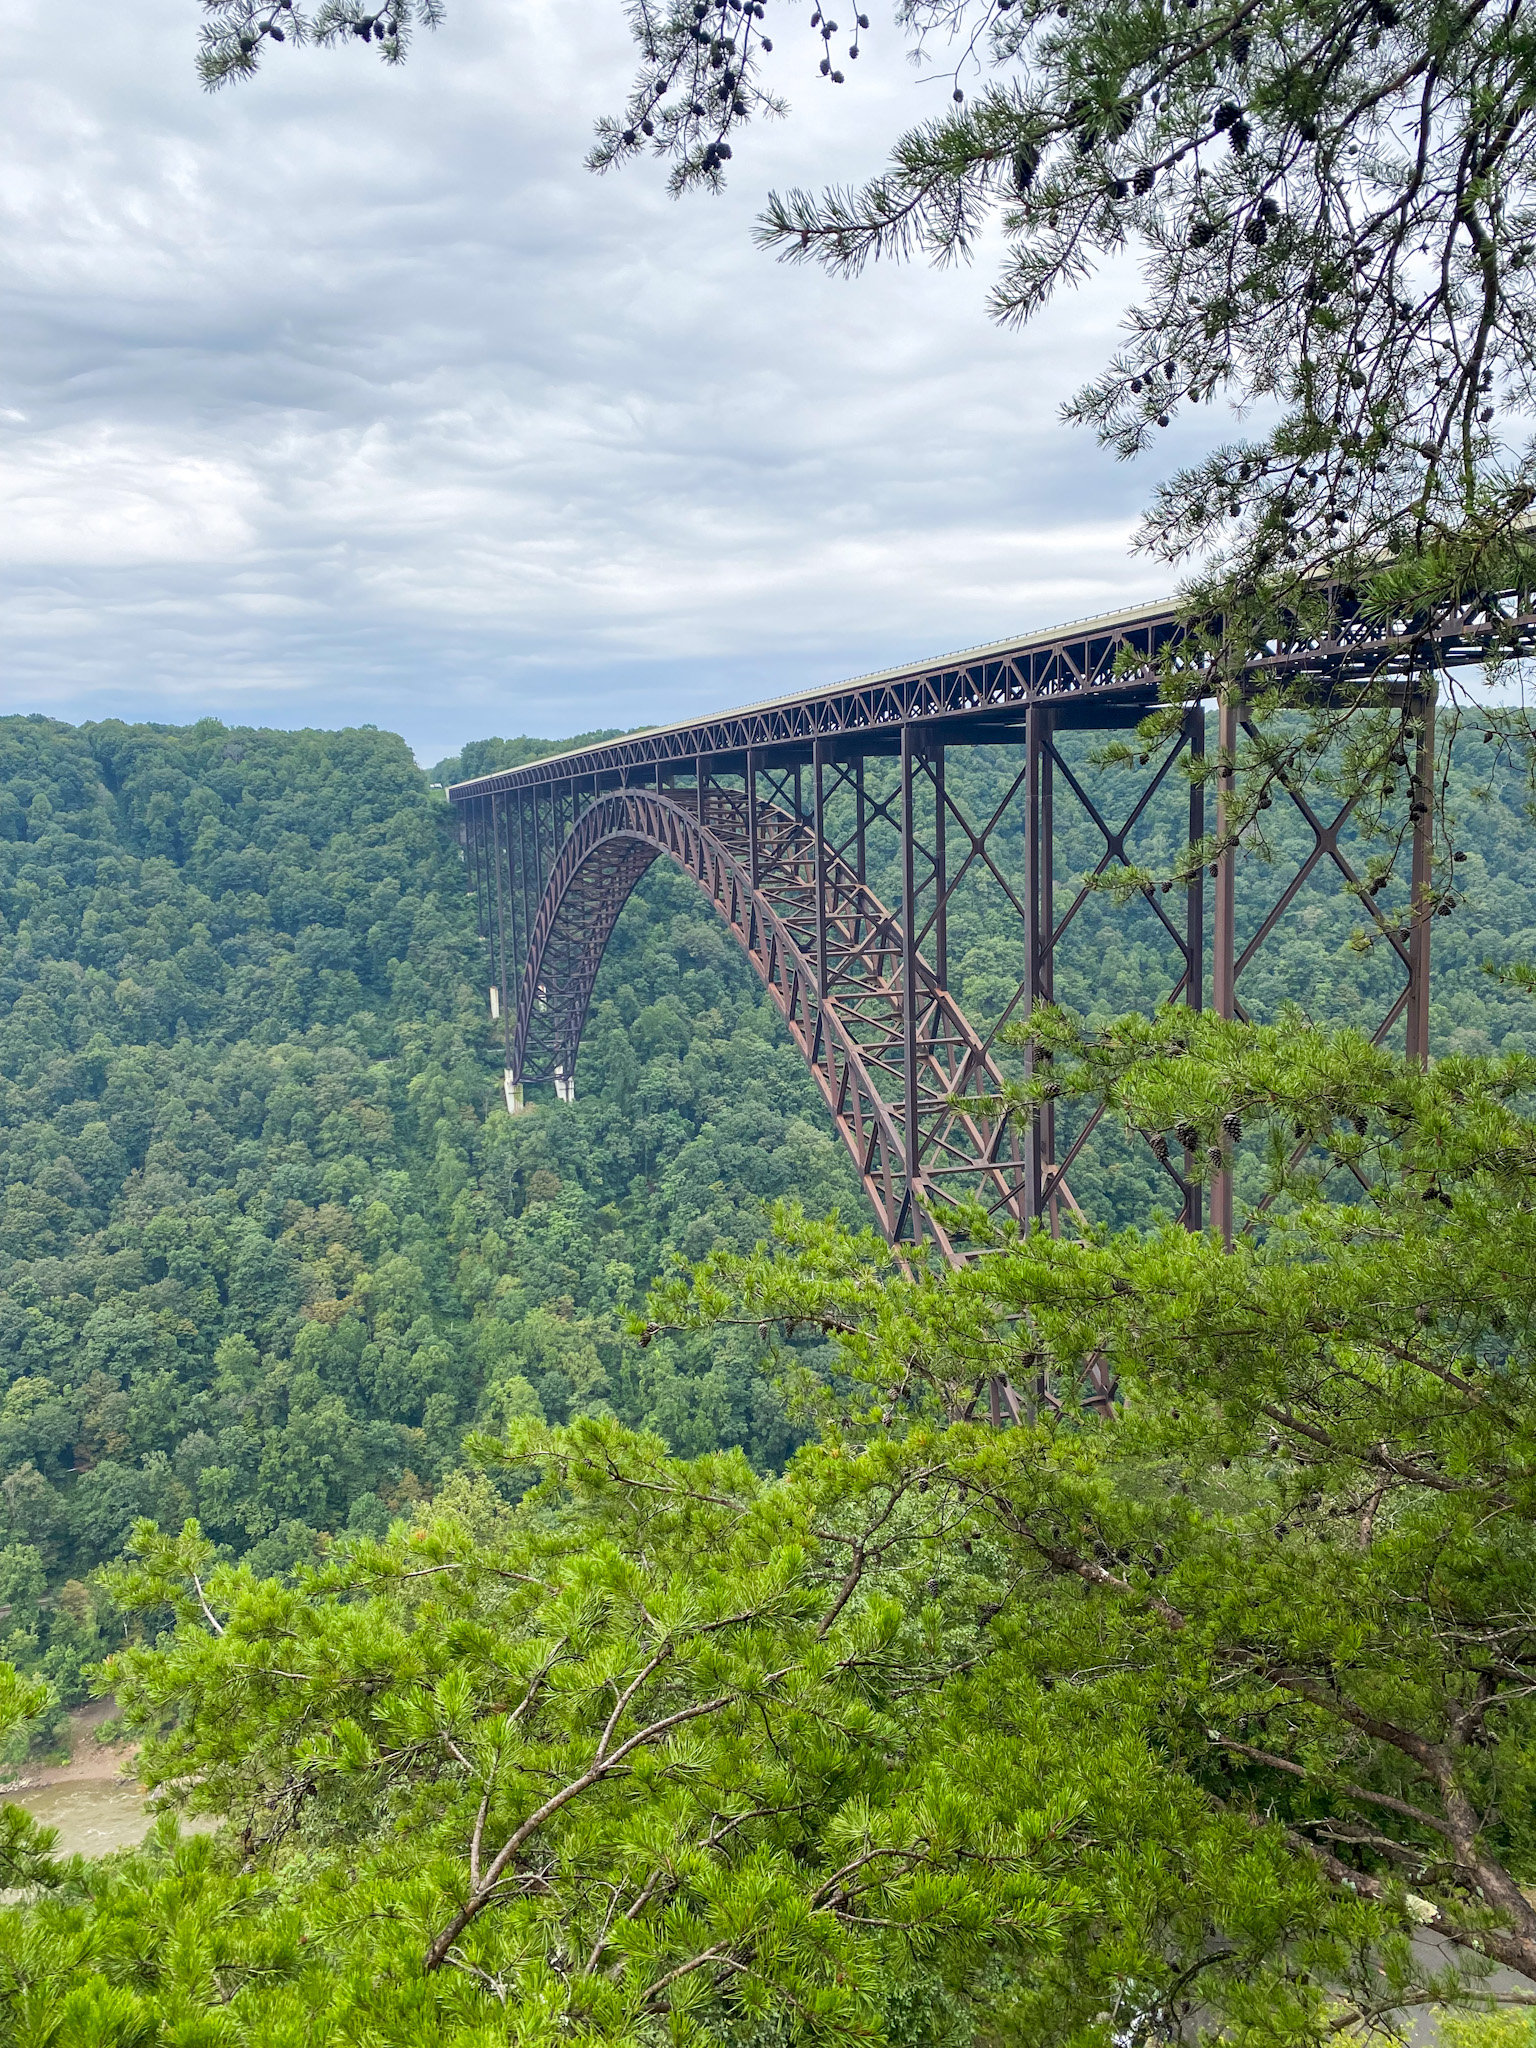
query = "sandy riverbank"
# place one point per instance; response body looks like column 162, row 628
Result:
column 90, row 1762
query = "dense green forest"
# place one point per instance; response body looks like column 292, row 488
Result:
column 1208, row 1721
column 268, row 1245
column 546, row 1678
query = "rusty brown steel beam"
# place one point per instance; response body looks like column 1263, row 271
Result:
column 886, row 1044
column 1224, row 939
column 1421, row 907
column 1108, row 665
column 863, row 987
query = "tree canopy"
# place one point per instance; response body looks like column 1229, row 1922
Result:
column 1307, row 1532
column 267, row 1245
column 1210, row 1716
column 1211, row 1719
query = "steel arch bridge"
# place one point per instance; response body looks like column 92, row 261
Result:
column 774, row 812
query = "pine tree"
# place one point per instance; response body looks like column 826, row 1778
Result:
column 1184, row 1722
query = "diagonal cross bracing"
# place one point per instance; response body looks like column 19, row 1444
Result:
column 772, row 811
column 844, row 1008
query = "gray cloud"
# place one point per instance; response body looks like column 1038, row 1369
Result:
column 351, row 395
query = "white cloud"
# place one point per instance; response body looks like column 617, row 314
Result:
column 350, row 394
column 100, row 496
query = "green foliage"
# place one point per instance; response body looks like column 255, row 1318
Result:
column 1493, row 2030
column 1303, row 1547
column 235, row 33
column 665, row 1748
column 1181, row 1724
column 268, row 1245
column 236, row 1039
column 488, row 757
column 1074, row 1731
column 268, row 1241
column 624, row 1757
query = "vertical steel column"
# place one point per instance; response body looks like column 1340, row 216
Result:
column 501, row 928
column 909, row 974
column 515, row 943
column 858, row 817
column 517, row 881
column 487, row 858
column 698, row 789
column 819, row 826
column 940, row 876
column 752, row 816
column 799, row 801
column 1194, row 926
column 1034, row 943
column 1048, row 864
column 1048, row 950
column 1421, row 880
column 538, row 843
column 1224, row 935
column 1039, row 938
column 520, row 875
column 481, row 923
column 487, row 826
column 525, row 866
column 1194, row 921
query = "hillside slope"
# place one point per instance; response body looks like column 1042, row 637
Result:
column 267, row 1243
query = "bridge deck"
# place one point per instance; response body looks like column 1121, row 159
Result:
column 1094, row 671
column 861, row 977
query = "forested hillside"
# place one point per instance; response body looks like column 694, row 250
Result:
column 951, row 1733
column 268, row 1245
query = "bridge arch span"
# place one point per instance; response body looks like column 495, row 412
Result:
column 836, row 975
column 559, row 842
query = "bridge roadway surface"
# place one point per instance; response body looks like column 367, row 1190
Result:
column 555, row 848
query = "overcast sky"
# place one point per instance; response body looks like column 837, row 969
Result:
column 349, row 395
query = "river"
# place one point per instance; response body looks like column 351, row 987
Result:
column 92, row 1815
column 91, row 1800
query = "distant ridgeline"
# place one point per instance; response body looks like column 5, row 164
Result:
column 486, row 757
column 267, row 1244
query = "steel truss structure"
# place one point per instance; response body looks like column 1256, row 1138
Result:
column 773, row 812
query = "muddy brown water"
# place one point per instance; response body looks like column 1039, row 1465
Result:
column 92, row 1815
column 91, row 1799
